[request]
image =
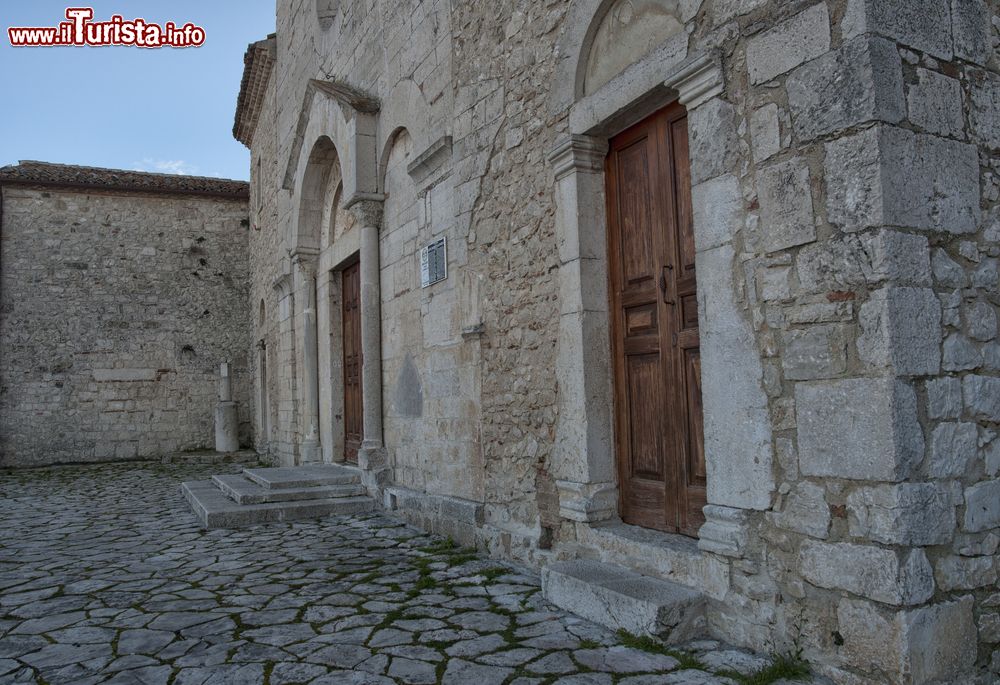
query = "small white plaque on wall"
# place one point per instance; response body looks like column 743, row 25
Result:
column 433, row 262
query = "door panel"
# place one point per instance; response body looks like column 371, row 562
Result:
column 353, row 409
column 654, row 313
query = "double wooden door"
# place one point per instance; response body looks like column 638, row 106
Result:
column 353, row 407
column 654, row 316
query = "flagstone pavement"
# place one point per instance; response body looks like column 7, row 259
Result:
column 107, row 577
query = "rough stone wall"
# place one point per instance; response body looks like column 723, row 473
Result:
column 275, row 434
column 115, row 311
column 860, row 141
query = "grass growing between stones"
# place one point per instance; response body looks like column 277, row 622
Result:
column 648, row 644
column 785, row 667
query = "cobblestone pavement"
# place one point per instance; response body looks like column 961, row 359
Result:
column 106, row 577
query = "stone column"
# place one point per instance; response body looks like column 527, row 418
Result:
column 309, row 450
column 226, row 414
column 372, row 456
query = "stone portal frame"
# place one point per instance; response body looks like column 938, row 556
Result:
column 737, row 424
column 337, row 116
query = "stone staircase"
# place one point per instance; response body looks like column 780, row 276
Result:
column 284, row 493
column 618, row 598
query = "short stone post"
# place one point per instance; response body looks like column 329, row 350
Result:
column 226, row 414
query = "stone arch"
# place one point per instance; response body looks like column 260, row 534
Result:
column 334, row 115
column 405, row 110
column 628, row 31
column 322, row 166
column 338, row 215
column 583, row 27
column 398, row 142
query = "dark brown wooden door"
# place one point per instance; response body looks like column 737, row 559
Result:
column 353, row 408
column 654, row 316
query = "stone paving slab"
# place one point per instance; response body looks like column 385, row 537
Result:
column 107, row 577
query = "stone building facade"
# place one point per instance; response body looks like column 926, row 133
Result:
column 835, row 165
column 120, row 294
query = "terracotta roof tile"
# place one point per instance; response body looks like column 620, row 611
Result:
column 70, row 176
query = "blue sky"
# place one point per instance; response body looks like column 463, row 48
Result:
column 167, row 110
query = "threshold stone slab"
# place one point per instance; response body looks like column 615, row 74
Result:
column 621, row 599
column 304, row 476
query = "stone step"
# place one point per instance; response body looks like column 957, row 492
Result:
column 216, row 510
column 242, row 490
column 307, row 475
column 621, row 599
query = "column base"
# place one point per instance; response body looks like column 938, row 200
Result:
column 587, row 502
column 373, row 460
column 725, row 531
column 309, row 452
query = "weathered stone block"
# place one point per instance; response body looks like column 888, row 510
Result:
column 916, row 514
column 815, row 352
column 965, row 573
column 981, row 321
column 805, row 511
column 714, row 147
column 872, row 572
column 726, row 10
column 765, row 133
column 737, row 422
column 617, row 598
column 944, row 398
column 984, row 110
column 953, row 448
column 935, row 103
column 792, row 42
column 947, row 271
column 959, row 354
column 901, row 330
column 859, row 429
column 982, row 396
column 911, row 647
column 718, row 211
column 890, row 176
column 786, row 207
column 860, row 82
column 898, row 258
column 982, row 507
column 924, row 25
column 970, row 23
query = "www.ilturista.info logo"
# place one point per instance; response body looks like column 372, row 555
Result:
column 81, row 30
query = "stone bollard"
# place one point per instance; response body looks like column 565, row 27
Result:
column 226, row 414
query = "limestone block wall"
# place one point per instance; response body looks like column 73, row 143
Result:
column 115, row 310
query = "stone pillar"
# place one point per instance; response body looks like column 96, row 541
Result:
column 309, row 450
column 372, row 456
column 584, row 465
column 226, row 414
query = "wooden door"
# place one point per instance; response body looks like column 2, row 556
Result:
column 654, row 322
column 353, row 407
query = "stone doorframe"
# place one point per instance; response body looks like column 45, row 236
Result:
column 738, row 446
column 339, row 116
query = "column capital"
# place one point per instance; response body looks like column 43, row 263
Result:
column 698, row 81
column 366, row 211
column 305, row 259
column 575, row 152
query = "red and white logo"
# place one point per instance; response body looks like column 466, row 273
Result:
column 81, row 30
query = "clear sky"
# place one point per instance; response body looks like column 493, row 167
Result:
column 166, row 109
